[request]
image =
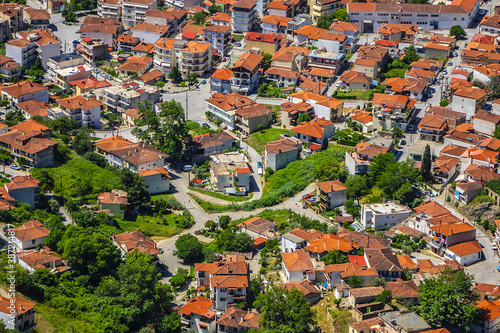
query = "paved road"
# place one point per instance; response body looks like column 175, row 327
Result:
column 65, row 33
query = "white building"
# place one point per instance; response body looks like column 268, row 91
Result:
column 24, row 319
column 371, row 16
column 86, row 112
column 149, row 33
column 243, row 15
column 30, row 234
column 67, row 68
column 133, row 11
column 198, row 316
column 109, row 9
column 465, row 253
column 383, row 215
column 297, row 266
column 156, row 180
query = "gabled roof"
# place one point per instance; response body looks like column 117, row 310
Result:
column 487, row 116
column 448, row 229
column 444, row 163
column 129, row 241
column 355, row 77
column 306, row 287
column 211, row 139
column 257, row 225
column 481, row 154
column 23, row 88
column 253, row 110
column 366, row 292
column 433, row 122
column 222, row 74
column 471, row 93
column 383, row 260
column 432, row 208
column 453, row 150
column 331, row 186
column 34, row 108
column 200, row 306
column 464, row 249
column 330, row 242
column 152, row 28
column 21, row 305
column 367, row 241
column 31, row 230
column 116, row 197
column 297, row 261
column 281, row 146
column 406, row 262
column 229, row 101
column 249, row 61
column 342, row 26
column 79, row 102
column 260, row 37
column 90, row 83
column 402, row 289
column 229, row 281
column 481, row 172
column 135, row 64
column 314, row 128
column 223, row 267
column 235, row 318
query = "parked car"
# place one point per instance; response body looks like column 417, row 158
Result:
column 450, row 63
column 238, row 44
column 432, row 90
column 187, row 168
column 438, row 82
column 260, row 171
column 15, row 167
column 410, row 128
column 259, row 164
column 445, row 71
column 403, row 142
column 206, row 125
column 455, row 54
column 26, row 168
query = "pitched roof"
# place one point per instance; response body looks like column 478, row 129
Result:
column 244, row 4
column 288, row 53
column 224, row 17
column 297, row 261
column 314, row 128
column 211, row 139
column 402, row 289
column 444, row 163
column 433, row 122
column 20, row 182
column 469, row 186
column 490, row 310
column 21, row 305
column 432, row 208
column 281, row 146
column 198, row 305
column 135, row 64
column 229, row 281
column 383, row 260
column 344, row 26
column 453, row 150
column 355, row 77
column 152, row 75
column 150, row 172
column 307, row 235
column 306, row 287
column 283, row 73
column 257, row 224
column 330, row 242
column 310, row 31
column 129, row 241
column 366, row 324
column 229, row 101
column 234, row 317
column 23, row 88
column 471, row 93
column 31, row 230
column 34, row 108
column 223, row 267
column 222, row 74
column 490, row 143
column 151, row 28
column 369, row 149
column 79, row 102
column 90, row 83
column 481, row 172
column 464, row 249
column 406, row 262
column 481, row 154
column 365, row 240
column 249, row 61
column 116, row 197
column 253, row 110
column 144, row 47
column 487, row 116
column 487, row 290
column 349, row 269
column 276, row 20
column 366, row 291
column 331, row 186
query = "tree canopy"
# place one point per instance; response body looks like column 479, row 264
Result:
column 449, row 300
column 457, row 31
column 189, row 248
column 425, row 168
column 165, row 130
column 325, row 21
column 84, row 141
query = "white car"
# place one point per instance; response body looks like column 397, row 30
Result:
column 494, row 246
column 187, row 168
column 260, row 171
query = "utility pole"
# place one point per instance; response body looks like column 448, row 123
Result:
column 189, row 88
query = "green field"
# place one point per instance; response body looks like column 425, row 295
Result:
column 48, row 320
column 229, row 198
column 259, row 140
column 153, row 226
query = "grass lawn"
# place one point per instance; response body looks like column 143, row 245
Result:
column 354, row 94
column 50, row 321
column 280, row 216
column 275, row 108
column 229, row 198
column 395, row 72
column 237, row 38
column 153, row 226
column 341, row 317
column 258, row 140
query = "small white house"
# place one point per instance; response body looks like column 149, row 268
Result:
column 30, row 235
column 297, row 266
column 156, row 180
column 465, row 253
column 383, row 215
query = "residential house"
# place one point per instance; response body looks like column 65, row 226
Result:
column 133, row 11
column 364, row 295
column 392, row 111
column 130, row 241
column 242, row 15
column 278, row 154
column 156, row 180
column 221, row 18
column 430, row 214
column 449, row 234
column 290, row 112
column 30, row 234
column 24, row 318
column 173, row 17
column 331, row 194
column 384, row 262
column 404, row 33
column 274, row 24
column 364, row 325
column 123, row 153
column 109, row 9
column 452, row 150
column 230, row 173
column 432, row 128
column 198, row 315
column 201, row 147
column 478, row 156
column 23, row 189
column 404, row 259
column 224, row 106
column 251, row 118
column 316, row 131
column 292, row 58
column 308, row 289
column 336, row 274
column 323, row 7
column 165, row 57
column 466, row 253
column 25, row 91
column 127, row 96
column 151, row 78
column 480, row 173
column 135, row 66
column 280, row 8
column 258, row 227
column 328, row 60
column 81, row 87
column 9, row 68
column 237, row 320
column 218, row 37
column 283, row 77
column 487, row 291
column 409, row 322
column 365, row 240
column 444, row 168
column 93, row 50
column 32, row 44
column 358, row 162
column 246, row 72
column 269, row 43
column 86, row 112
column 485, row 122
column 469, row 100
column 298, row 21
column 371, row 59
column 67, row 68
column 330, row 242
column 489, row 318
column 31, row 260
column 297, row 266
column 143, row 50
column 355, row 80
column 309, row 85
column 33, row 108
column 365, row 119
column 126, row 42
column 116, row 201
column 440, row 47
column 383, row 215
column 467, row 191
column 102, row 30
column 408, row 86
column 227, row 280
column 464, row 136
column 298, row 239
column 129, row 116
column 453, row 118
column 489, row 24
column 220, row 81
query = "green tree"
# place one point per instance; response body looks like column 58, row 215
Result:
column 266, row 62
column 493, row 88
column 380, row 163
column 268, row 173
column 356, row 186
column 425, row 168
column 84, row 141
column 165, row 130
column 457, row 31
column 136, row 188
column 200, row 18
column 303, row 118
column 443, row 103
column 240, row 242
column 411, row 55
column 449, row 300
column 385, row 297
column 334, row 257
column 189, row 248
column 378, row 281
column 36, row 71
column 224, row 221
column 354, row 281
column 215, row 8
column 325, row 21
column 175, row 75
column 407, row 249
column 95, row 158
column 285, row 311
column 210, row 225
column 170, row 324
column 496, row 133
column 191, row 78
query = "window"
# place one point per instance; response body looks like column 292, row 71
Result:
column 33, row 241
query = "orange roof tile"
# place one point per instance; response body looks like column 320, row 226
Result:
column 198, row 305
column 330, row 242
column 464, row 249
column 297, row 261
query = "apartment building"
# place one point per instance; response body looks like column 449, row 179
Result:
column 164, row 55
column 110, row 9
column 93, row 50
column 246, row 72
column 133, row 11
column 198, row 316
column 25, row 91
column 14, row 15
column 64, row 69
column 149, row 33
column 32, row 44
column 195, row 58
column 372, row 16
column 328, row 60
column 102, row 29
column 218, row 37
column 383, row 215
column 248, row 118
column 224, row 106
column 269, row 43
column 86, row 112
column 318, row 8
column 173, row 17
column 278, row 154
column 358, row 162
column 392, row 111
column 127, row 96
column 243, row 15
column 9, row 68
